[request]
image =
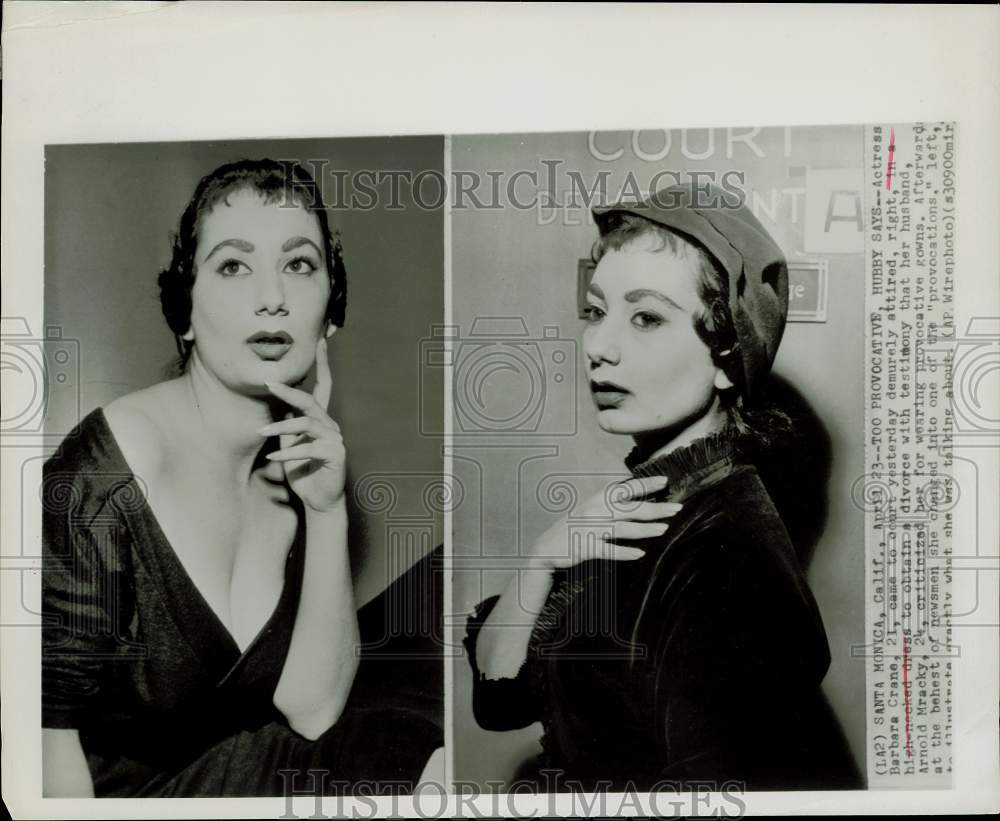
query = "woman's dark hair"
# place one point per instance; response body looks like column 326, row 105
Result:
column 276, row 182
column 755, row 426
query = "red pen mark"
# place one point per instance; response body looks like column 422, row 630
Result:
column 906, row 698
column 892, row 150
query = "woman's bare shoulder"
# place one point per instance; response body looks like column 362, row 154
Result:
column 139, row 422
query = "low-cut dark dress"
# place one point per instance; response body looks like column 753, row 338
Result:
column 701, row 661
column 165, row 703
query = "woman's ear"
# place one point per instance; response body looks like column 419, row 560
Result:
column 188, row 335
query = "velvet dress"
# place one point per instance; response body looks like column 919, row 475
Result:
column 165, row 703
column 700, row 661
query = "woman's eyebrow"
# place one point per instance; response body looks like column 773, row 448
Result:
column 241, row 244
column 595, row 290
column 639, row 293
column 295, row 242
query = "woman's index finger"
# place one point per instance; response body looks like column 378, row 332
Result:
column 644, row 485
column 324, row 378
column 292, row 396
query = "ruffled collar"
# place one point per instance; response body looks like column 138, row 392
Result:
column 688, row 468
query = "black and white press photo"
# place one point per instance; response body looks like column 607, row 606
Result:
column 658, row 394
column 231, row 604
column 498, row 410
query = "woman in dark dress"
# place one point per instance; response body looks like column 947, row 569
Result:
column 200, row 634
column 682, row 644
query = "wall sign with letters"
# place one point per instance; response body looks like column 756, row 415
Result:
column 807, row 291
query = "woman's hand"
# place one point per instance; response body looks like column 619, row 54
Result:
column 322, row 658
column 312, row 450
column 503, row 640
column 631, row 519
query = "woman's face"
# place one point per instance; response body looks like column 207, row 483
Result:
column 648, row 369
column 260, row 292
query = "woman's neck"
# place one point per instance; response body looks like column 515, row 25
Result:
column 660, row 443
column 225, row 422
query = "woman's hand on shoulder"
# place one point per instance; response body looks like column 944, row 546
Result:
column 312, row 449
column 621, row 515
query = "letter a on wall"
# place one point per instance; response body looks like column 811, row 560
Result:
column 835, row 221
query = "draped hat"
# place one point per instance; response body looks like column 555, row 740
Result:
column 720, row 221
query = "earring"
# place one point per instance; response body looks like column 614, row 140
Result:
column 722, row 382
column 188, row 335
column 331, row 329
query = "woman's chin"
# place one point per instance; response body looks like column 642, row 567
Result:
column 275, row 371
column 611, row 420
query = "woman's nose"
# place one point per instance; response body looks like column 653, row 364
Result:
column 601, row 345
column 271, row 295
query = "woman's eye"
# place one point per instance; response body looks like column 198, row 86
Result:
column 300, row 265
column 645, row 319
column 232, row 268
column 592, row 313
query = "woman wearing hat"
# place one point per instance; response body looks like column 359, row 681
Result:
column 684, row 643
column 200, row 631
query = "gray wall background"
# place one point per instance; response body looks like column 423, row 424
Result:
column 109, row 212
column 509, row 262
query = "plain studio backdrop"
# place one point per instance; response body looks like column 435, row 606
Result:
column 110, row 210
column 521, row 264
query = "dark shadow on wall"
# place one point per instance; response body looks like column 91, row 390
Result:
column 796, row 471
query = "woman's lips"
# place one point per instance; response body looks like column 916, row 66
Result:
column 270, row 345
column 607, row 394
